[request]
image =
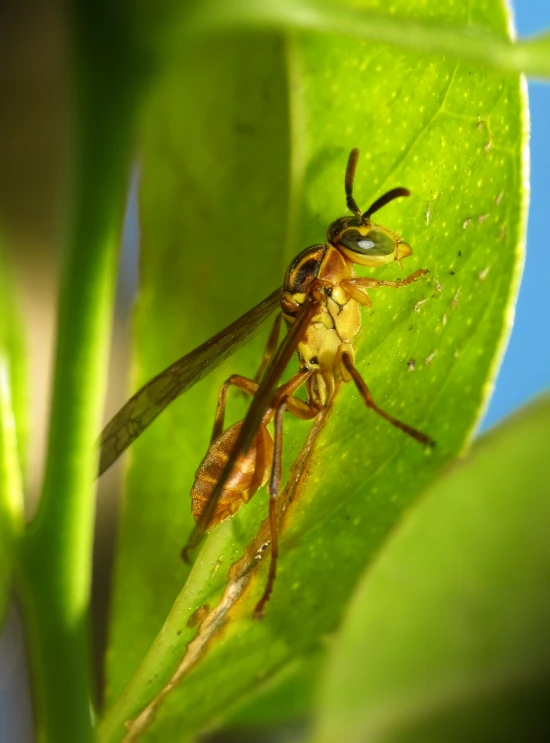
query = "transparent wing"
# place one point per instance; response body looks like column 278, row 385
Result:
column 142, row 409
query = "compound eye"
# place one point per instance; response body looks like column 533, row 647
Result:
column 375, row 242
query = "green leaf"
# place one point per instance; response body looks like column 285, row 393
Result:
column 243, row 158
column 286, row 697
column 12, row 434
column 447, row 636
column 418, row 27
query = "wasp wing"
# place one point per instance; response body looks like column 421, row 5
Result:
column 258, row 407
column 142, row 409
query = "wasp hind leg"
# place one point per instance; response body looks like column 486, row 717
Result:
column 304, row 411
column 364, row 391
column 248, row 386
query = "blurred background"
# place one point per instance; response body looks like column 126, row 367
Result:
column 34, row 130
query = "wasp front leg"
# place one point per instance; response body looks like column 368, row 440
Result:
column 357, row 288
column 358, row 293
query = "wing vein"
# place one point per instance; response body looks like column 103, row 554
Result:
column 148, row 402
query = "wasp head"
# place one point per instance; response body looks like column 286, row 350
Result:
column 357, row 237
column 366, row 243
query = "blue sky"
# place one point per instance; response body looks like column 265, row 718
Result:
column 526, row 367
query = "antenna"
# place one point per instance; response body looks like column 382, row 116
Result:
column 385, row 199
column 348, row 183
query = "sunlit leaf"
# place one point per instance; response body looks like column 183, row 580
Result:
column 244, row 150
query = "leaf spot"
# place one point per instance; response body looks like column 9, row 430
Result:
column 428, row 360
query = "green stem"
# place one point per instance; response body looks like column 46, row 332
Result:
column 56, row 557
column 11, row 434
column 11, row 491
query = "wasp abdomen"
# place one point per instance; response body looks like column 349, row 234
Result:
column 250, row 472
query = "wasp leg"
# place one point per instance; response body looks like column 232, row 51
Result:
column 243, row 383
column 270, row 347
column 369, row 283
column 356, row 292
column 190, row 546
column 364, row 391
column 273, row 489
column 357, row 288
column 304, row 411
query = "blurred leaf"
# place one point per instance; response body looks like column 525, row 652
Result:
column 11, row 495
column 287, row 696
column 226, row 202
column 12, row 347
column 412, row 26
column 447, row 636
column 12, row 437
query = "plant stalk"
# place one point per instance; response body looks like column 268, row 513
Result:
column 55, row 569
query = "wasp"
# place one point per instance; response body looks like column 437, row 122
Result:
column 320, row 303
